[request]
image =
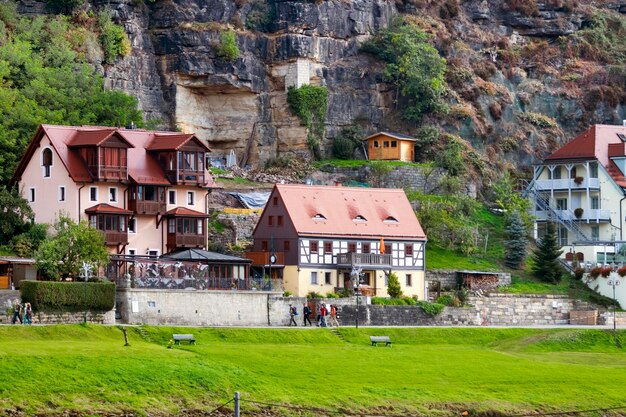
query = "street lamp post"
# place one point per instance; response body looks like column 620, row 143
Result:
column 357, row 294
column 614, row 282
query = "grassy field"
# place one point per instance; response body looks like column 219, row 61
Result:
column 430, row 372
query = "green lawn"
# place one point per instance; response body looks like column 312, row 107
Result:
column 427, row 372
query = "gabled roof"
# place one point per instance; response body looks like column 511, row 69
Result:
column 396, row 135
column 106, row 209
column 94, row 138
column 349, row 212
column 184, row 212
column 593, row 143
column 173, row 142
column 142, row 167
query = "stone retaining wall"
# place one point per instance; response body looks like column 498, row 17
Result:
column 448, row 277
column 68, row 318
column 493, row 310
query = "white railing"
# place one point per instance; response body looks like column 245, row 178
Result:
column 591, row 215
column 565, row 184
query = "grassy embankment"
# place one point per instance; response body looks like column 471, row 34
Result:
column 427, row 372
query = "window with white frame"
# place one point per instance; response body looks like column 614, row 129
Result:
column 191, row 198
column 132, row 225
column 171, row 197
column 113, row 194
column 556, row 174
column 62, row 193
column 93, row 193
column 595, row 233
column 46, row 162
column 561, row 203
column 132, row 252
column 562, row 235
column 153, row 253
column 595, row 203
column 314, row 277
column 31, row 195
column 593, row 170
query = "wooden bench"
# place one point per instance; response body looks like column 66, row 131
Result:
column 380, row 339
column 179, row 337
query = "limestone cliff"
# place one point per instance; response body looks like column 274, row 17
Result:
column 516, row 89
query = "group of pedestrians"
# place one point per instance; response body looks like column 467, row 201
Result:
column 22, row 313
column 326, row 316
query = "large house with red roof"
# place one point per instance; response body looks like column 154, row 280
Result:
column 581, row 187
column 323, row 239
column 146, row 191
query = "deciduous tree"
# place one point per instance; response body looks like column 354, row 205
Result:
column 71, row 245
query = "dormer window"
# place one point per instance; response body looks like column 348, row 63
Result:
column 46, row 162
column 359, row 219
column 390, row 219
column 319, row 217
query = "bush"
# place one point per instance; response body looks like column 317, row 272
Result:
column 227, row 49
column 393, row 286
column 113, row 38
column 332, row 295
column 446, row 300
column 432, row 309
column 69, row 296
column 287, row 294
column 579, row 272
column 64, row 6
column 313, row 294
column 343, row 148
column 309, row 103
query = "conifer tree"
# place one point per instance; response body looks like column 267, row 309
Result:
column 517, row 241
column 546, row 257
column 393, row 286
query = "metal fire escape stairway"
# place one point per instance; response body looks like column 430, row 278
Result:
column 561, row 217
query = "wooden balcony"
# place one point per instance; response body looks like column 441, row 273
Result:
column 115, row 238
column 109, row 172
column 263, row 258
column 180, row 240
column 147, row 207
column 186, row 177
column 364, row 259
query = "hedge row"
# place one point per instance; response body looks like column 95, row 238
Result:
column 69, row 296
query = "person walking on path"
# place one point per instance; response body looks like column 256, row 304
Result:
column 28, row 314
column 306, row 311
column 292, row 315
column 323, row 313
column 333, row 316
column 17, row 312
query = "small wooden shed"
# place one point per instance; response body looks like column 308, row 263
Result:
column 14, row 270
column 390, row 146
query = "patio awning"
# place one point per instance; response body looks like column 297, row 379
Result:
column 200, row 255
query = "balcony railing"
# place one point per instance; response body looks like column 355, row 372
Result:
column 596, row 215
column 186, row 241
column 566, row 184
column 186, row 177
column 364, row 259
column 147, row 207
column 263, row 258
column 109, row 172
column 115, row 238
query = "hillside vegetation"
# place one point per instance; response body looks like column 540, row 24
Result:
column 428, row 372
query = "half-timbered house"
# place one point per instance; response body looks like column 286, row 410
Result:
column 325, row 239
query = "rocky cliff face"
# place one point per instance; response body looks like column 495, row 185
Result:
column 509, row 95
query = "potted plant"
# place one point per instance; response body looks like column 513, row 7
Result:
column 606, row 271
column 578, row 212
column 622, row 271
column 595, row 272
column 579, row 180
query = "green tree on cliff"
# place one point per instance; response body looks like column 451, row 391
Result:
column 44, row 79
column 414, row 66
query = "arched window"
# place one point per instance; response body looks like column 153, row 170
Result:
column 46, row 162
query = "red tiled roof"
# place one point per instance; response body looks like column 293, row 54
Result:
column 593, row 143
column 167, row 142
column 142, row 167
column 342, row 206
column 184, row 212
column 106, row 209
column 93, row 137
